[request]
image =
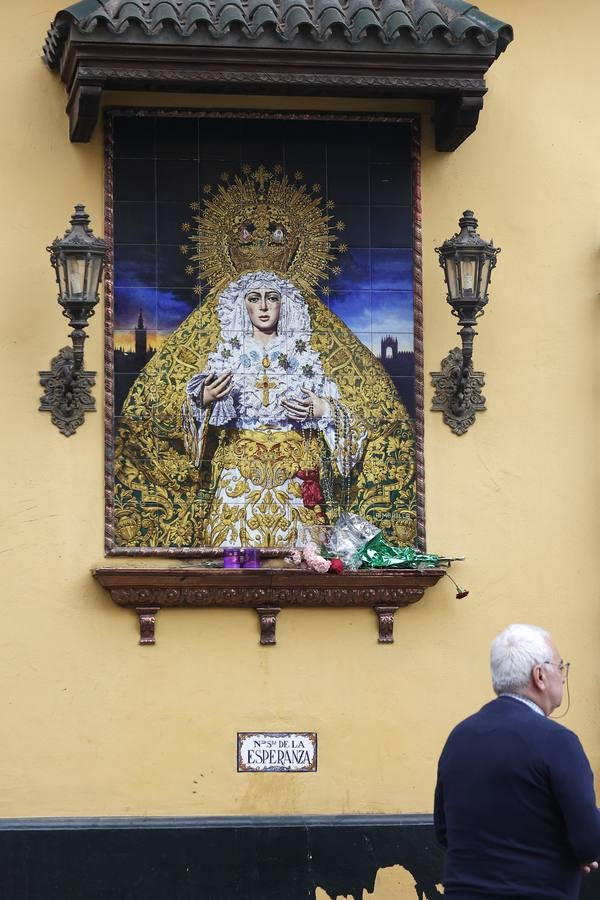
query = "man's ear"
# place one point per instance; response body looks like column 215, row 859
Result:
column 537, row 675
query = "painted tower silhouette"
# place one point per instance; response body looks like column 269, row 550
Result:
column 399, row 364
column 389, row 348
column 141, row 341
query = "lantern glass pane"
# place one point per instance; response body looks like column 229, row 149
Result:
column 468, row 270
column 93, row 277
column 61, row 271
column 75, row 275
column 484, row 277
column 451, row 277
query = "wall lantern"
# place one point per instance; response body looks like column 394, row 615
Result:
column 467, row 261
column 78, row 260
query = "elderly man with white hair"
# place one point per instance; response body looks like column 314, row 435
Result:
column 514, row 802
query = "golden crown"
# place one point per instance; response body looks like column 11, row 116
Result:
column 262, row 220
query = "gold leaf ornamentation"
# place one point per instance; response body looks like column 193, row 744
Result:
column 259, row 221
column 263, row 221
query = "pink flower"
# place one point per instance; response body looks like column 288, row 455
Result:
column 313, row 559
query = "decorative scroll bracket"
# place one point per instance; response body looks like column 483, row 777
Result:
column 83, row 107
column 147, row 617
column 267, row 616
column 385, row 618
column 459, row 419
column 67, row 392
column 456, row 117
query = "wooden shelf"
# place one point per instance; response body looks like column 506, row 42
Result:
column 267, row 590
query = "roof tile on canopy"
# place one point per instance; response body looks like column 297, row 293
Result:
column 419, row 20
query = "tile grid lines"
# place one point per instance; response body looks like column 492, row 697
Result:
column 110, row 396
column 157, row 276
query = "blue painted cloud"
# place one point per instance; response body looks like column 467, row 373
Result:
column 174, row 307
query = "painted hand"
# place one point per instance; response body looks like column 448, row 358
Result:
column 309, row 406
column 216, row 387
column 588, row 868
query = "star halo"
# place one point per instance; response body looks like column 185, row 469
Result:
column 263, row 220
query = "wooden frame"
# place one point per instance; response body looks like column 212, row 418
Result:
column 112, row 549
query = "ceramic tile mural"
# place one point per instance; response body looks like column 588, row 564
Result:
column 262, row 324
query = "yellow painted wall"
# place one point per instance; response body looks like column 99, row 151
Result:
column 92, row 724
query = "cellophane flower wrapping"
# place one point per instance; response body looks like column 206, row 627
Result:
column 347, row 536
column 378, row 554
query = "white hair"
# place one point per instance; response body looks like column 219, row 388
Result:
column 233, row 315
column 513, row 655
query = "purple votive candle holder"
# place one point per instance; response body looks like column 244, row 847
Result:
column 251, row 558
column 232, row 558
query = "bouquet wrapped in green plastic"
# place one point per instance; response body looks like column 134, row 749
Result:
column 360, row 545
column 378, row 554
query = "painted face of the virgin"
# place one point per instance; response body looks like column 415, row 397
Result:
column 263, row 305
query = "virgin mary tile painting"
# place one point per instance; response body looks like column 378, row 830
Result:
column 266, row 410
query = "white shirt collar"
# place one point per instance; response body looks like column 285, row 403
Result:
column 530, row 703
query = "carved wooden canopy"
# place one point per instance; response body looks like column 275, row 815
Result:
column 420, row 49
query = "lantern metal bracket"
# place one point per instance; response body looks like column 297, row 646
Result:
column 67, row 392
column 467, row 261
column 457, row 392
column 77, row 260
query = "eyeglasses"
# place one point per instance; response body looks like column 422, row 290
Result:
column 563, row 667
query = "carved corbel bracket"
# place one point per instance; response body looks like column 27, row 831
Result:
column 147, row 617
column 385, row 619
column 83, row 108
column 267, row 616
column 456, row 116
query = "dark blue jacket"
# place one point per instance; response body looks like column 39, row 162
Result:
column 515, row 806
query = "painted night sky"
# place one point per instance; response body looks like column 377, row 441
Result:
column 161, row 164
column 358, row 297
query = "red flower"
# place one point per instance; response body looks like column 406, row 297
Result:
column 460, row 591
column 337, row 566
